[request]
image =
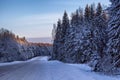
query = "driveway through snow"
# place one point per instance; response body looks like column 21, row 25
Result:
column 41, row 69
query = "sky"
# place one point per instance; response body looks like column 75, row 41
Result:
column 35, row 18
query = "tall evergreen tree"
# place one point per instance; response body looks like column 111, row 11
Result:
column 114, row 32
column 57, row 38
column 75, row 19
column 87, row 12
column 65, row 24
column 111, row 60
column 60, row 37
column 99, row 25
column 92, row 11
column 100, row 30
column 81, row 15
column 65, row 32
column 99, row 9
column 72, row 43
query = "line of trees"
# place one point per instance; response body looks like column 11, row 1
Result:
column 14, row 48
column 4, row 33
column 90, row 36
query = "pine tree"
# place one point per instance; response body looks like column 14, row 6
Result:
column 111, row 60
column 83, row 39
column 99, row 9
column 57, row 39
column 81, row 16
column 75, row 21
column 77, row 18
column 92, row 11
column 60, row 37
column 100, row 30
column 114, row 33
column 99, row 24
column 73, row 39
column 87, row 13
column 65, row 25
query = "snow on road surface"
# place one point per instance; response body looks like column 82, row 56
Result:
column 40, row 69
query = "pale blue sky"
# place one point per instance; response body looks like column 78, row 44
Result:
column 34, row 18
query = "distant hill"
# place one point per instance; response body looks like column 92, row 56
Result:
column 40, row 40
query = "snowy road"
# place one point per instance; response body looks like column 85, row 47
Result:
column 41, row 69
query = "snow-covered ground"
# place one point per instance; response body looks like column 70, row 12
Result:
column 40, row 69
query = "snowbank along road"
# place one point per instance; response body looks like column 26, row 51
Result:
column 40, row 69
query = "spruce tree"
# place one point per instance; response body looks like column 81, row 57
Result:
column 111, row 60
column 60, row 37
column 92, row 11
column 65, row 25
column 87, row 13
column 65, row 33
column 57, row 39
column 100, row 24
column 72, row 43
column 113, row 45
column 99, row 9
column 81, row 15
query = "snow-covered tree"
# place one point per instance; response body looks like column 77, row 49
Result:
column 77, row 18
column 87, row 12
column 113, row 45
column 83, row 39
column 99, row 9
column 98, row 36
column 73, row 38
column 14, row 48
column 114, row 29
column 65, row 25
column 57, row 39
column 111, row 60
column 60, row 37
column 92, row 11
